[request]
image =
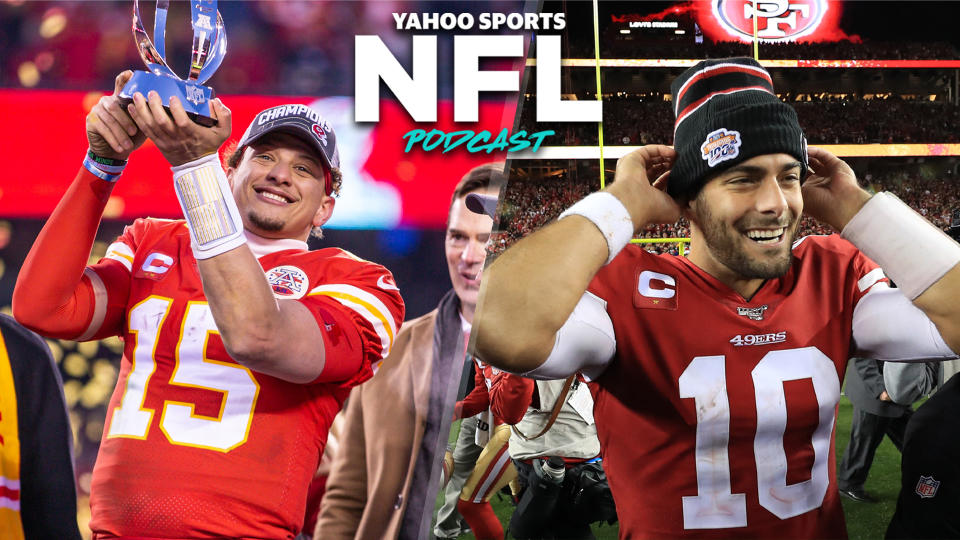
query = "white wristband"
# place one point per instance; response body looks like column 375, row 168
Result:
column 208, row 206
column 911, row 251
column 609, row 215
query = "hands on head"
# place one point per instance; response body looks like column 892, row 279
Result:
column 115, row 132
column 831, row 193
column 646, row 200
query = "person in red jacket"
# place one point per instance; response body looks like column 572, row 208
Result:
column 240, row 344
column 493, row 469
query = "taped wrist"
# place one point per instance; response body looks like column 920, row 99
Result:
column 208, row 206
column 912, row 252
column 104, row 168
column 609, row 215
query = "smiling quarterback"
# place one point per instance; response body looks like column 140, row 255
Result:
column 240, row 344
column 716, row 376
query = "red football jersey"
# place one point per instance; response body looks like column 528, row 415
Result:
column 196, row 445
column 716, row 415
column 478, row 400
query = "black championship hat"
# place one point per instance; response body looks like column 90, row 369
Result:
column 303, row 122
column 726, row 113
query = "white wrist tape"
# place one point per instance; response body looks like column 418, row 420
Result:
column 911, row 251
column 208, row 206
column 609, row 215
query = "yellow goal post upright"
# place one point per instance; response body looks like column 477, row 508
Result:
column 681, row 242
column 600, row 151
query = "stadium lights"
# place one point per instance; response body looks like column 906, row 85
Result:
column 841, row 150
column 687, row 62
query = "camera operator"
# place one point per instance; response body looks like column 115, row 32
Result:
column 555, row 449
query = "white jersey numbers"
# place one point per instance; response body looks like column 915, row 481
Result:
column 714, row 506
column 704, row 380
column 178, row 420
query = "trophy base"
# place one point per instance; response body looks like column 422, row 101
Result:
column 194, row 97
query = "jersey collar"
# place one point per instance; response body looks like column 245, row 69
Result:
column 261, row 246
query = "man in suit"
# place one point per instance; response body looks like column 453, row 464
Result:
column 384, row 481
column 875, row 414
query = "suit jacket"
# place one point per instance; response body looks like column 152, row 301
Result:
column 864, row 386
column 394, row 435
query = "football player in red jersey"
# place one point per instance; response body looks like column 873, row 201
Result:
column 240, row 344
column 716, row 377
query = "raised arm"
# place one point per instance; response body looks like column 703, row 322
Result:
column 52, row 295
column 529, row 292
column 279, row 338
column 922, row 260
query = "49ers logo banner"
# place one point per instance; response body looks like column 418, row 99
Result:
column 777, row 20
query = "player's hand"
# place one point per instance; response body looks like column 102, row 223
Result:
column 457, row 411
column 110, row 130
column 447, row 468
column 640, row 184
column 884, row 396
column 831, row 193
column 179, row 138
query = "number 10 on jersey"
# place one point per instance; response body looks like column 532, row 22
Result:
column 715, row 506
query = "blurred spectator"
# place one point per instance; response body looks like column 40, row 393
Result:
column 930, row 474
column 828, row 119
column 684, row 47
column 37, row 492
column 536, row 196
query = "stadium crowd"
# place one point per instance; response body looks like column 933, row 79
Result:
column 864, row 49
column 643, row 119
column 531, row 203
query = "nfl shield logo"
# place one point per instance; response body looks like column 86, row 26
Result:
column 927, row 487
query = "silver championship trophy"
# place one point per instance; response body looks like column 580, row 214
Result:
column 209, row 48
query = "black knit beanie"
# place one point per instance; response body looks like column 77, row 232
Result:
column 726, row 113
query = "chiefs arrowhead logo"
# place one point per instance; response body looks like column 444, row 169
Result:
column 777, row 20
column 320, row 133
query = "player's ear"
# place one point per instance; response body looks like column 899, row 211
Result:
column 230, row 172
column 687, row 207
column 324, row 212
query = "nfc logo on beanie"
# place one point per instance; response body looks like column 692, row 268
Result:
column 720, row 145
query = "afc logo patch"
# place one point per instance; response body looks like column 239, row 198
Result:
column 155, row 266
column 655, row 290
column 720, row 145
column 927, row 487
column 777, row 20
column 288, row 282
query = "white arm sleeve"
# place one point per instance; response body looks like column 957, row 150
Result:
column 887, row 326
column 584, row 343
column 907, row 382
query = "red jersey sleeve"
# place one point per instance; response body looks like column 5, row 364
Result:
column 110, row 279
column 56, row 294
column 868, row 274
column 359, row 309
column 862, row 272
column 510, row 396
column 478, row 400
